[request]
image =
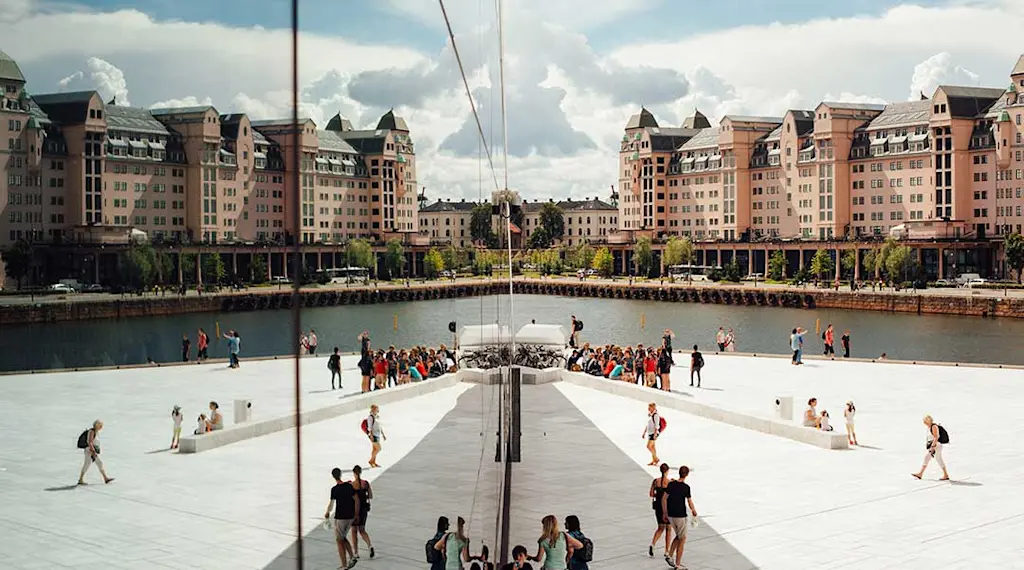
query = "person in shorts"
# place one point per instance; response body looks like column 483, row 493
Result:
column 674, row 503
column 346, row 502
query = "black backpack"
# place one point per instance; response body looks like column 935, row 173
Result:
column 943, row 435
column 83, row 440
column 579, row 325
column 585, row 554
column 433, row 555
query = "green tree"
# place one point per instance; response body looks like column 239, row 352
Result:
column 213, row 268
column 433, row 263
column 17, row 260
column 678, row 251
column 603, row 262
column 643, row 256
column 137, row 267
column 822, row 265
column 163, row 264
column 882, row 258
column 394, row 258
column 552, row 220
column 849, row 263
column 900, row 264
column 1014, row 249
column 455, row 258
column 580, row 256
column 188, row 267
column 539, row 239
column 777, row 265
column 869, row 261
column 732, row 272
column 480, row 227
column 258, row 269
column 358, row 253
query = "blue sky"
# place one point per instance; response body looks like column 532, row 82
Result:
column 372, row 21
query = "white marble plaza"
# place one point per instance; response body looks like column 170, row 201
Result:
column 780, row 504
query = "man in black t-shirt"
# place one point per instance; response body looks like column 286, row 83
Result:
column 344, row 496
column 518, row 560
column 673, row 503
column 334, row 365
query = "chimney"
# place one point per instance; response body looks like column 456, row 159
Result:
column 463, row 200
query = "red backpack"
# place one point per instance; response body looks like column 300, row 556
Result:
column 661, row 424
column 365, row 427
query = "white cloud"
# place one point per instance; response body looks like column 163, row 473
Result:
column 187, row 101
column 939, row 69
column 103, row 76
column 14, row 10
column 64, row 83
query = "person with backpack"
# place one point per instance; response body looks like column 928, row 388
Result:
column 345, row 500
column 696, row 363
column 334, row 365
column 579, row 557
column 434, row 556
column 656, row 492
column 365, row 360
column 89, row 442
column 454, row 547
column 553, row 546
column 937, row 437
column 373, row 430
column 574, row 336
column 654, row 426
column 665, row 369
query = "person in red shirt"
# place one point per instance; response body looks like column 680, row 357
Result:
column 830, row 339
column 422, row 368
column 380, row 370
column 202, row 341
column 650, row 367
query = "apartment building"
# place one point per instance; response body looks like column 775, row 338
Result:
column 950, row 165
column 78, row 169
column 446, row 222
column 585, row 221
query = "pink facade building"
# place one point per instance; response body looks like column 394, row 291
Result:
column 76, row 169
column 949, row 166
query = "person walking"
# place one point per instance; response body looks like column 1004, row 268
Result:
column 365, row 494
column 730, row 341
column 186, row 348
column 334, row 365
column 202, row 342
column 652, row 431
column 937, row 437
column 577, row 556
column 553, row 545
column 845, row 339
column 720, row 339
column 848, row 415
column 674, row 503
column 345, row 502
column 666, row 340
column 375, row 432
column 665, row 369
column 656, row 493
column 829, row 337
column 365, row 360
column 312, row 341
column 234, row 347
column 89, row 442
column 696, row 363
column 176, row 417
column 796, row 343
column 455, row 547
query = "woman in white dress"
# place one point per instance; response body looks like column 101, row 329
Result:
column 848, row 414
column 730, row 341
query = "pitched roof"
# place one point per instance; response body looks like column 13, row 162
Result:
column 333, row 141
column 366, row 142
column 854, row 106
column 753, row 119
column 706, row 138
column 449, row 206
column 68, row 108
column 392, row 122
column 9, row 69
column 339, row 123
column 133, row 119
column 643, row 119
column 804, row 121
column 969, row 102
column 903, row 114
column 159, row 111
column 668, row 139
column 697, row 121
column 571, row 205
column 1019, row 68
column 279, row 122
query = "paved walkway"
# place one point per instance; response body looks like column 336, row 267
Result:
column 570, row 467
column 451, row 472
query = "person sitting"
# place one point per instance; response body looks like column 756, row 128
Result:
column 437, row 368
column 573, row 359
column 593, row 367
column 200, row 425
column 823, row 424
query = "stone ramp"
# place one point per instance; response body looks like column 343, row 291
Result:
column 446, row 474
column 570, row 467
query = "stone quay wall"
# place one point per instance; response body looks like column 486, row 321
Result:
column 269, row 299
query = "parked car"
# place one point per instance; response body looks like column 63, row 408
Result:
column 280, row 280
column 94, row 288
column 61, row 288
column 976, row 281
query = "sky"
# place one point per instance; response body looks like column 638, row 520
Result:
column 575, row 70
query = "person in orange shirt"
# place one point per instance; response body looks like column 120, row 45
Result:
column 829, row 337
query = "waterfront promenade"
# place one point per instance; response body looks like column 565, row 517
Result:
column 766, row 502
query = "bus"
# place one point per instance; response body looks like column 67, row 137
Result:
column 346, row 274
column 691, row 272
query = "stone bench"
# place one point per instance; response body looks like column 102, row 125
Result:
column 348, row 404
column 668, row 400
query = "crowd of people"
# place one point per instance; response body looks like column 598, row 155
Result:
column 394, row 367
column 557, row 549
column 649, row 366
